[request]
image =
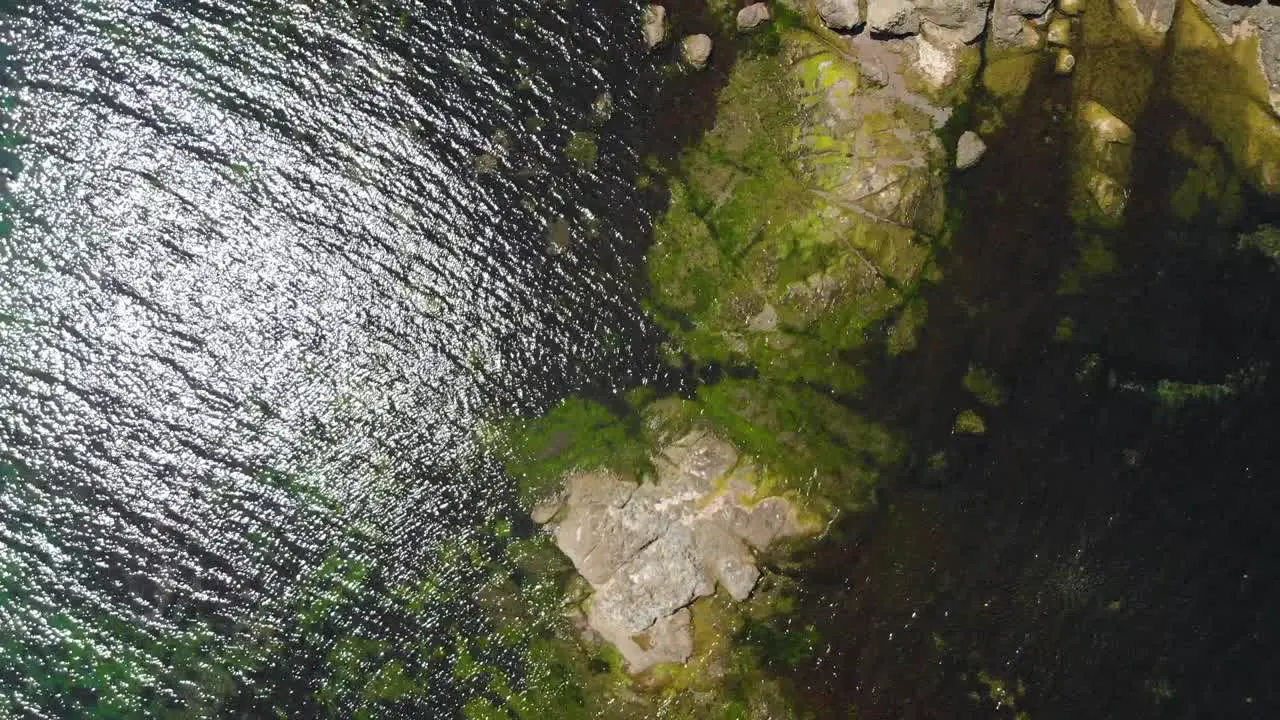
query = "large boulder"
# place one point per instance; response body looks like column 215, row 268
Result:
column 893, row 17
column 649, row 550
column 840, row 14
column 959, row 21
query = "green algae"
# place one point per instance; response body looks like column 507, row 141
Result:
column 578, row 434
column 766, row 257
column 969, row 422
column 985, row 386
column 811, row 446
column 582, row 149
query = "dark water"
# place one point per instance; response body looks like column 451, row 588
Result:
column 265, row 269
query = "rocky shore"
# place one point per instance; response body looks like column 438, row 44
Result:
column 801, row 233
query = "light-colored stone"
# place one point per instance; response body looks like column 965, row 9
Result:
column 969, row 150
column 959, row 21
column 752, row 16
column 840, row 14
column 695, row 50
column 1071, row 7
column 893, row 17
column 650, row 550
column 654, row 25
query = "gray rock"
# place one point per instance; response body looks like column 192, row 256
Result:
column 752, row 15
column 664, row 577
column 965, row 18
column 893, row 17
column 1027, row 8
column 840, row 14
column 695, row 50
column 650, row 550
column 969, row 150
column 654, row 25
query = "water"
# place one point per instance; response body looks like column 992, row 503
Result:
column 267, row 267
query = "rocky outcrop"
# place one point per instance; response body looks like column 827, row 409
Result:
column 650, row 549
column 695, row 50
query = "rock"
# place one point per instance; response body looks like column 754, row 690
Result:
column 961, row 20
column 654, row 25
column 602, row 108
column 1059, row 31
column 840, row 14
column 1065, row 62
column 650, row 550
column 1071, row 7
column 1029, row 8
column 752, row 15
column 969, row 150
column 1104, row 126
column 892, row 17
column 695, row 50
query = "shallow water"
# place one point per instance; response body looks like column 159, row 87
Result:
column 267, row 267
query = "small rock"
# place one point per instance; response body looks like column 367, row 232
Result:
column 840, row 14
column 969, row 150
column 695, row 50
column 1065, row 63
column 1060, row 31
column 752, row 15
column 1071, row 7
column 892, row 17
column 602, row 108
column 1106, row 127
column 654, row 25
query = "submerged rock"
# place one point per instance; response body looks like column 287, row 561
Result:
column 969, row 150
column 1065, row 63
column 695, row 50
column 654, row 25
column 840, row 14
column 752, row 15
column 650, row 549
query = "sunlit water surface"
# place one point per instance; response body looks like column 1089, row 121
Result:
column 265, row 269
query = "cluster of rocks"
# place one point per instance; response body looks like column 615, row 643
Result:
column 695, row 50
column 650, row 549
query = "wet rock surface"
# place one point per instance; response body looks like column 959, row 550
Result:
column 650, row 549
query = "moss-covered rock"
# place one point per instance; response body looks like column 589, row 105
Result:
column 812, row 200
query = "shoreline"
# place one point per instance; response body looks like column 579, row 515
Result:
column 989, row 95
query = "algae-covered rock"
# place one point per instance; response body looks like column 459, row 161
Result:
column 1103, row 157
column 802, row 219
